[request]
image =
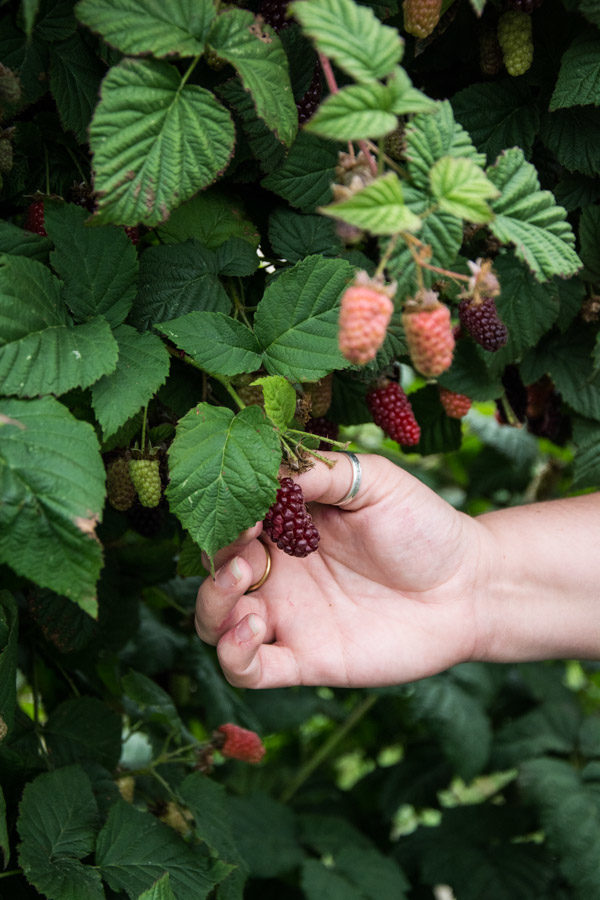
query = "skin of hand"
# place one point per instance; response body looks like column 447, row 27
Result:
column 388, row 597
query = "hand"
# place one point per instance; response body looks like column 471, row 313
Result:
column 388, row 597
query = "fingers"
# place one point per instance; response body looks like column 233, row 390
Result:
column 248, row 662
column 330, row 485
column 238, row 546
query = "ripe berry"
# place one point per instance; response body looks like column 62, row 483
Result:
column 365, row 313
column 34, row 220
column 391, row 410
column 322, row 427
column 482, row 322
column 288, row 522
column 239, row 743
column 455, row 405
column 421, row 16
column 145, row 475
column 119, row 486
column 428, row 333
column 515, row 39
column 308, row 103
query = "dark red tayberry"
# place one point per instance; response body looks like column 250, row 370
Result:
column 307, row 104
column 274, row 12
column 34, row 220
column 323, row 427
column 288, row 522
column 391, row 410
column 482, row 322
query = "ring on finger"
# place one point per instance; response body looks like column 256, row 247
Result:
column 258, row 584
column 356, row 479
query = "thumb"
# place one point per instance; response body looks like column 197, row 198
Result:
column 331, row 484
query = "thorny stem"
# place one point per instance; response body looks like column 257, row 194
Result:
column 325, row 749
column 417, row 250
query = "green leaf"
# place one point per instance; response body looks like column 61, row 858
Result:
column 160, row 890
column 461, row 189
column 57, row 825
column 406, row 99
column 30, row 10
column 52, row 482
column 578, row 82
column 350, row 35
column 75, row 76
column 211, row 217
column 142, row 367
column 431, row 136
column 439, row 432
column 265, row 834
column 98, row 266
column 134, row 849
column 189, row 561
column 219, row 344
column 378, row 208
column 223, row 469
column 573, row 135
column 16, row 241
column 9, row 626
column 573, row 191
column 268, row 151
column 354, row 113
column 468, row 374
column 530, row 219
column 141, row 27
column 155, row 142
column 260, row 61
column 152, row 702
column 293, row 235
column 62, row 622
column 82, row 730
column 498, row 115
column 590, row 9
column 304, row 179
column 586, row 466
column 296, row 322
column 280, row 399
column 552, row 727
column 208, row 802
column 319, row 880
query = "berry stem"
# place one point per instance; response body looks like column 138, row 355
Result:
column 325, row 749
column 386, row 256
column 340, row 444
column 144, row 424
column 188, row 72
column 230, row 390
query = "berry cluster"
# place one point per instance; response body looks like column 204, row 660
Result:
column 482, row 322
column 391, row 410
column 365, row 312
column 428, row 333
column 288, row 522
column 145, row 476
column 322, row 427
column 34, row 220
column 238, row 743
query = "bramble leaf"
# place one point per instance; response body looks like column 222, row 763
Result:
column 378, row 208
column 356, row 112
column 433, row 135
column 498, row 115
column 578, row 82
column 304, row 178
column 461, row 189
column 280, row 399
column 219, row 344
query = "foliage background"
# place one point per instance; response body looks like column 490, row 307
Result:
column 484, row 778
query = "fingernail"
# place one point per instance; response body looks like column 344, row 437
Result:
column 229, row 574
column 247, row 628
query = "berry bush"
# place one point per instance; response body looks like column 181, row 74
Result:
column 233, row 235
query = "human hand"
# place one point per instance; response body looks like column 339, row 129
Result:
column 388, row 597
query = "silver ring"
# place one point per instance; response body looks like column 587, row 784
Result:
column 356, row 478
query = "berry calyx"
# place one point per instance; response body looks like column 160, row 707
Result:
column 455, row 405
column 34, row 220
column 428, row 333
column 145, row 475
column 365, row 312
column 482, row 322
column 288, row 522
column 421, row 16
column 391, row 410
column 239, row 743
column 515, row 39
column 119, row 486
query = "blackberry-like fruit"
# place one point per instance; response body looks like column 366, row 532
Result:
column 288, row 522
column 428, row 333
column 274, row 12
column 391, row 410
column 238, row 743
column 455, row 405
column 119, row 486
column 34, row 220
column 322, row 427
column 421, row 16
column 133, row 233
column 145, row 475
column 482, row 322
column 514, row 37
column 307, row 104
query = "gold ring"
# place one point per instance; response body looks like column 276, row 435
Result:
column 265, row 574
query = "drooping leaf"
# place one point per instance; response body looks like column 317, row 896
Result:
column 433, row 135
column 208, row 801
column 223, row 469
column 9, row 626
column 462, row 189
column 578, row 82
column 82, row 730
column 57, row 826
column 379, row 208
column 98, row 266
column 296, row 322
column 268, row 151
column 530, row 219
column 351, row 36
column 260, row 61
column 142, row 368
column 304, row 179
column 75, row 76
column 219, row 344
column 498, row 115
column 134, row 849
column 152, row 702
column 141, row 27
column 406, row 99
column 53, row 488
column 155, row 142
column 280, row 399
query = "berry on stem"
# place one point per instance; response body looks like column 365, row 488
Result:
column 289, row 524
column 482, row 322
column 515, row 39
column 391, row 410
column 455, row 405
column 119, row 486
column 365, row 312
column 428, row 333
column 34, row 220
column 239, row 743
column 145, row 475
column 421, row 16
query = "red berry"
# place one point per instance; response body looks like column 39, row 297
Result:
column 133, row 233
column 323, row 427
column 391, row 410
column 483, row 323
column 429, row 334
column 239, row 743
column 34, row 221
column 288, row 522
column 365, row 313
column 421, row 16
column 455, row 405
